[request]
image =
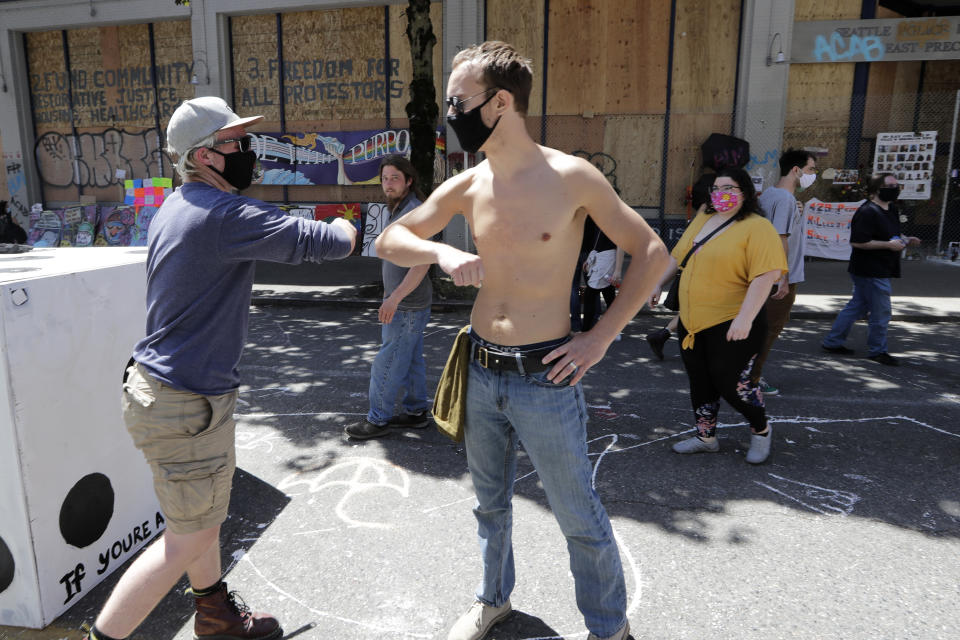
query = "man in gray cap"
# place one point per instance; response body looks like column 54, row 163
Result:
column 181, row 388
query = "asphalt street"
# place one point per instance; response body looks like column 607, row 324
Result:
column 851, row 530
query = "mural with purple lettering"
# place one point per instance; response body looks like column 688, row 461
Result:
column 336, row 157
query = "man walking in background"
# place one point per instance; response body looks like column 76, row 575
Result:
column 798, row 170
column 404, row 314
column 876, row 243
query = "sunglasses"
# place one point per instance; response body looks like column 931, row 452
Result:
column 243, row 143
column 457, row 103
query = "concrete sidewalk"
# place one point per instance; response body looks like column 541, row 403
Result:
column 928, row 291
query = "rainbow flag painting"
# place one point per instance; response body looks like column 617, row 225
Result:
column 149, row 192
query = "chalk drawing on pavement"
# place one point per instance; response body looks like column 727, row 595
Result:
column 356, row 476
column 324, row 614
column 362, row 475
column 253, row 440
column 820, row 499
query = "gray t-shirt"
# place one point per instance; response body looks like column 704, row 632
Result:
column 779, row 206
column 422, row 296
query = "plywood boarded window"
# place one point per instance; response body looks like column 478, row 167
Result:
column 606, row 66
column 343, row 70
column 105, row 118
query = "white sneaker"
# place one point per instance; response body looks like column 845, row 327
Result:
column 476, row 622
column 623, row 634
column 696, row 445
column 760, row 446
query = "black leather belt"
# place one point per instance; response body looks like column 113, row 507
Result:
column 506, row 361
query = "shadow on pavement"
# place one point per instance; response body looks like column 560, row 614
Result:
column 521, row 625
column 254, row 506
column 849, row 438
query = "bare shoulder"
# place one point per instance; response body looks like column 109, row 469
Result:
column 566, row 163
column 452, row 194
column 579, row 171
column 459, row 183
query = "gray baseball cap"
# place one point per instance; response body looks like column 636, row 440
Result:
column 196, row 119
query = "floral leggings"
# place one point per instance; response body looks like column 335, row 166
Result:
column 719, row 368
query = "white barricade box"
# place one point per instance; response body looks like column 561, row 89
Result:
column 76, row 496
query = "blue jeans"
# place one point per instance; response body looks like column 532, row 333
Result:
column 871, row 298
column 503, row 408
column 399, row 367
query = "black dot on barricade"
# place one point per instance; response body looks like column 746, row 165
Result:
column 6, row 566
column 86, row 511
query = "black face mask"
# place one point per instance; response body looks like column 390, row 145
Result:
column 888, row 194
column 238, row 168
column 469, row 127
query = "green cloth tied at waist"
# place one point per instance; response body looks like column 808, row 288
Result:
column 450, row 400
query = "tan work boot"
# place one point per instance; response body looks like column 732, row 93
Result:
column 476, row 622
column 223, row 615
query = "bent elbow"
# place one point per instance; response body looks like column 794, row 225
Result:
column 381, row 244
column 660, row 255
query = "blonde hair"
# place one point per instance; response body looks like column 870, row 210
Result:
column 185, row 165
column 502, row 67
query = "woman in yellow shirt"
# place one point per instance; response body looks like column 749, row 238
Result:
column 722, row 290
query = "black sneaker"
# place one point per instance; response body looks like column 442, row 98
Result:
column 364, row 430
column 410, row 420
column 841, row 350
column 885, row 358
column 656, row 340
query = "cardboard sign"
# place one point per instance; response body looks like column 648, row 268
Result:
column 828, row 228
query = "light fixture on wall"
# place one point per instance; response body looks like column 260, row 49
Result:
column 780, row 59
column 195, row 79
column 93, row 11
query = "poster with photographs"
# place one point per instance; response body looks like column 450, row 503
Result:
column 846, row 176
column 909, row 156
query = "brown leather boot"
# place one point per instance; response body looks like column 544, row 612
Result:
column 224, row 615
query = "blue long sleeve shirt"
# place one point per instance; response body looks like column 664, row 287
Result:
column 203, row 244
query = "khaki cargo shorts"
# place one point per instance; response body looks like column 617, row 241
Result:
column 188, row 440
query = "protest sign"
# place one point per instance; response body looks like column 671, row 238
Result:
column 909, row 156
column 828, row 228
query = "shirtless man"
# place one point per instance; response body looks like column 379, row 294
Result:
column 526, row 206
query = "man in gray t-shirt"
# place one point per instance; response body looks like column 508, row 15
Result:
column 798, row 170
column 407, row 295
